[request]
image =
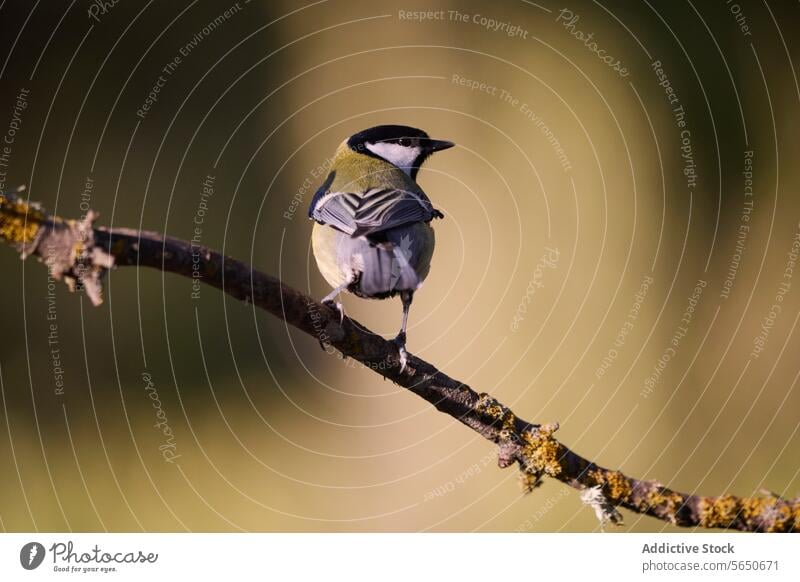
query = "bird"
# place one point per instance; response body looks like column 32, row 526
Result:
column 372, row 234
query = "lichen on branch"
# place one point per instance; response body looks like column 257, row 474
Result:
column 20, row 221
column 81, row 253
column 67, row 247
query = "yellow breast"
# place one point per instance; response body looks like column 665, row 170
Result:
column 325, row 245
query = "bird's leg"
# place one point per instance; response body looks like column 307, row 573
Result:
column 330, row 299
column 400, row 341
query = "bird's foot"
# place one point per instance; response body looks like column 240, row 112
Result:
column 333, row 304
column 400, row 342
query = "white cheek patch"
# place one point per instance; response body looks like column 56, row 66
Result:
column 400, row 156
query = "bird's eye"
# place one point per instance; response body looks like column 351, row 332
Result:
column 405, row 142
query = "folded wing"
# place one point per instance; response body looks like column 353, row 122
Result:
column 373, row 211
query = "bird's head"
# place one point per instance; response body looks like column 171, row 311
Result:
column 400, row 145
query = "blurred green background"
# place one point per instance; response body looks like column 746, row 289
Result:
column 560, row 157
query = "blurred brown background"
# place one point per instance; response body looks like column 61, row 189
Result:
column 565, row 199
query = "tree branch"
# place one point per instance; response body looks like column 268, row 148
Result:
column 80, row 253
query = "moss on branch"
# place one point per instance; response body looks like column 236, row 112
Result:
column 80, row 253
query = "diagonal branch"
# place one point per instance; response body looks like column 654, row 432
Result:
column 80, row 253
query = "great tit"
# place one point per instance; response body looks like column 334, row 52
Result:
column 372, row 235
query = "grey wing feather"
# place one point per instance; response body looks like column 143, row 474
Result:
column 337, row 210
column 374, row 211
column 384, row 268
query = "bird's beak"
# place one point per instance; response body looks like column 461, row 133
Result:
column 437, row 145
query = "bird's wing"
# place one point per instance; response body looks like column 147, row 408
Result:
column 373, row 211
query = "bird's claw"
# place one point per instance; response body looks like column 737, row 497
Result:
column 333, row 304
column 403, row 358
column 400, row 342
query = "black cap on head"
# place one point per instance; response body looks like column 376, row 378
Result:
column 418, row 142
column 381, row 133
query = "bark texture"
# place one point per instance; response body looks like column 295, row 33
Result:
column 79, row 253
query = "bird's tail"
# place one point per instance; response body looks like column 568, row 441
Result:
column 388, row 270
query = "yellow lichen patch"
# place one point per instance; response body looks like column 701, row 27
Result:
column 509, row 421
column 529, row 481
column 719, row 511
column 489, row 406
column 19, row 222
column 664, row 499
column 795, row 511
column 615, row 485
column 538, row 452
column 541, row 451
column 774, row 515
column 752, row 507
column 783, row 521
